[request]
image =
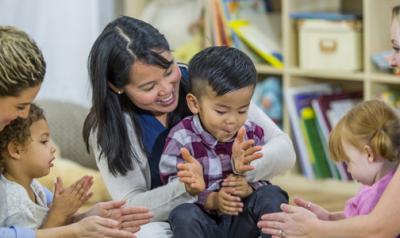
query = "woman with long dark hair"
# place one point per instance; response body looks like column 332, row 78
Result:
column 138, row 94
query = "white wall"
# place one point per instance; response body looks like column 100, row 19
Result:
column 65, row 31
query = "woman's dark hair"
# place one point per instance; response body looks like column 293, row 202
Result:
column 224, row 69
column 123, row 42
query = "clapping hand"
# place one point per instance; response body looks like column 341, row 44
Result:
column 191, row 173
column 243, row 153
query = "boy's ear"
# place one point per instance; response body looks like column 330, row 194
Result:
column 192, row 103
column 370, row 153
column 14, row 150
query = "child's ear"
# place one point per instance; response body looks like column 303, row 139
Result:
column 370, row 153
column 14, row 150
column 192, row 103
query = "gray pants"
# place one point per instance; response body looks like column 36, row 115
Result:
column 190, row 220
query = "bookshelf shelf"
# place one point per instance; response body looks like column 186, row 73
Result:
column 323, row 74
column 385, row 78
column 267, row 69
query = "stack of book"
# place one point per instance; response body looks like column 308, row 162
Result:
column 227, row 23
column 314, row 110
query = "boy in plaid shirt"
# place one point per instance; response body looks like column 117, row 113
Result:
column 218, row 135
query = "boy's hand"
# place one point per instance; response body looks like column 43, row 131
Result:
column 227, row 203
column 191, row 173
column 68, row 200
column 239, row 184
column 243, row 153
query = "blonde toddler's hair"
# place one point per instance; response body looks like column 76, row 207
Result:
column 372, row 123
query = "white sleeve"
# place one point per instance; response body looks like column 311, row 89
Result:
column 134, row 187
column 279, row 154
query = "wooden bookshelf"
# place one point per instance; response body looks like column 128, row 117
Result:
column 376, row 37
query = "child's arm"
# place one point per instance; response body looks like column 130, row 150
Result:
column 67, row 201
column 320, row 212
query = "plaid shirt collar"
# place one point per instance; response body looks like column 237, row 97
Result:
column 208, row 139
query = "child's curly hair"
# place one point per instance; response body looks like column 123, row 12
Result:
column 18, row 131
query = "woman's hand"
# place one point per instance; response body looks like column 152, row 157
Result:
column 239, row 184
column 293, row 222
column 191, row 173
column 243, row 153
column 131, row 218
column 99, row 227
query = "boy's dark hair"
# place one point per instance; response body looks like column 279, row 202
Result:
column 224, row 69
column 18, row 131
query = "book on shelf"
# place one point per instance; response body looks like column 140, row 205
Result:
column 296, row 99
column 257, row 41
column 318, row 158
column 329, row 109
column 313, row 111
column 236, row 23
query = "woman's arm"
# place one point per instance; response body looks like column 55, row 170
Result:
column 90, row 227
column 298, row 222
column 135, row 188
column 278, row 152
column 381, row 222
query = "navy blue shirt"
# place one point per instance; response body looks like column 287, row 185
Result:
column 153, row 136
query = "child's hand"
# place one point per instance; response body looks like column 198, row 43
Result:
column 227, row 203
column 243, row 153
column 320, row 212
column 240, row 184
column 191, row 173
column 68, row 200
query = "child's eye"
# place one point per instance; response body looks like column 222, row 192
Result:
column 20, row 108
column 44, row 142
column 243, row 112
column 219, row 112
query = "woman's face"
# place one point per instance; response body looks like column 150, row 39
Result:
column 153, row 88
column 13, row 107
column 394, row 60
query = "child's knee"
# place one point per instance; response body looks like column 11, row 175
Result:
column 271, row 196
column 184, row 213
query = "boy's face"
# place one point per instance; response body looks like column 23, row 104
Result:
column 222, row 116
column 38, row 152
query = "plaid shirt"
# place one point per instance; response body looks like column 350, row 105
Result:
column 214, row 156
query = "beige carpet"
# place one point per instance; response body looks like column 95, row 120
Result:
column 330, row 194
